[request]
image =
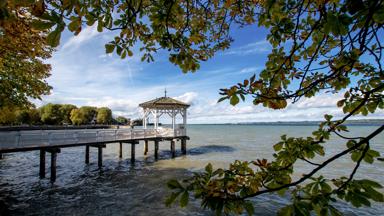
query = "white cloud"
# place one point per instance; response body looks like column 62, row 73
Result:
column 249, row 70
column 90, row 77
column 188, row 97
column 251, row 48
column 321, row 100
column 307, row 109
column 85, row 35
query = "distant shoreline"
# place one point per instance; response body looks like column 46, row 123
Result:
column 360, row 122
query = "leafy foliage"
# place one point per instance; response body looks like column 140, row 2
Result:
column 104, row 115
column 317, row 47
column 22, row 53
column 122, row 120
column 83, row 115
column 333, row 46
column 50, row 114
column 192, row 31
column 65, row 112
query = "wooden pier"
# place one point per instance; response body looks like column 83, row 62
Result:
column 52, row 141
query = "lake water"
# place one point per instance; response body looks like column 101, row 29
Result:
column 124, row 189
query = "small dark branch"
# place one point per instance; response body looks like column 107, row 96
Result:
column 310, row 162
column 324, row 164
column 308, row 66
column 355, row 168
column 348, row 138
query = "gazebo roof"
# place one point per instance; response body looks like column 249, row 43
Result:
column 164, row 103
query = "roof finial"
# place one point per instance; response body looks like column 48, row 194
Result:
column 165, row 92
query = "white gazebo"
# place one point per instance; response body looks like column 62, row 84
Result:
column 165, row 106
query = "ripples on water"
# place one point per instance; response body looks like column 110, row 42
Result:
column 124, row 189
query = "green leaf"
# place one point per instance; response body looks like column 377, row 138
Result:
column 119, row 49
column 374, row 194
column 171, row 199
column 355, row 156
column 328, row 117
column 109, row 48
column 53, row 38
column 74, row 25
column 334, row 211
column 184, row 199
column 41, row 25
column 174, row 184
column 130, row 53
column 278, row 146
column 234, row 100
column 209, row 168
column 123, row 54
column 340, row 103
column 221, row 99
column 249, row 208
column 370, row 183
column 286, row 211
column 378, row 16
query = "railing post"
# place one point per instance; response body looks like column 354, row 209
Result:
column 76, row 137
column 49, row 138
column 18, row 138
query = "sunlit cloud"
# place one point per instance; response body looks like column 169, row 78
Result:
column 87, row 34
column 251, row 48
column 83, row 74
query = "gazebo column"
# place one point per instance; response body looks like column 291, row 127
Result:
column 184, row 122
column 173, row 119
column 156, row 119
column 145, row 120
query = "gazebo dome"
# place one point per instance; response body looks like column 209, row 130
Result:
column 164, row 103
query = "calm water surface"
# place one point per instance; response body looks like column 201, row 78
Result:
column 124, row 189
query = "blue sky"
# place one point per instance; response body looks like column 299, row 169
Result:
column 82, row 74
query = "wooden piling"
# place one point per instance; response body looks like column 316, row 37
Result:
column 53, row 152
column 173, row 150
column 145, row 147
column 100, row 156
column 156, row 149
column 42, row 164
column 133, row 144
column 1, row 156
column 53, row 166
column 184, row 146
column 121, row 150
column 87, row 154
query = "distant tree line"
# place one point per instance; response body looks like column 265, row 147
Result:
column 60, row 114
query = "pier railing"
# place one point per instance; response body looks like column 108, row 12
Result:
column 11, row 140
